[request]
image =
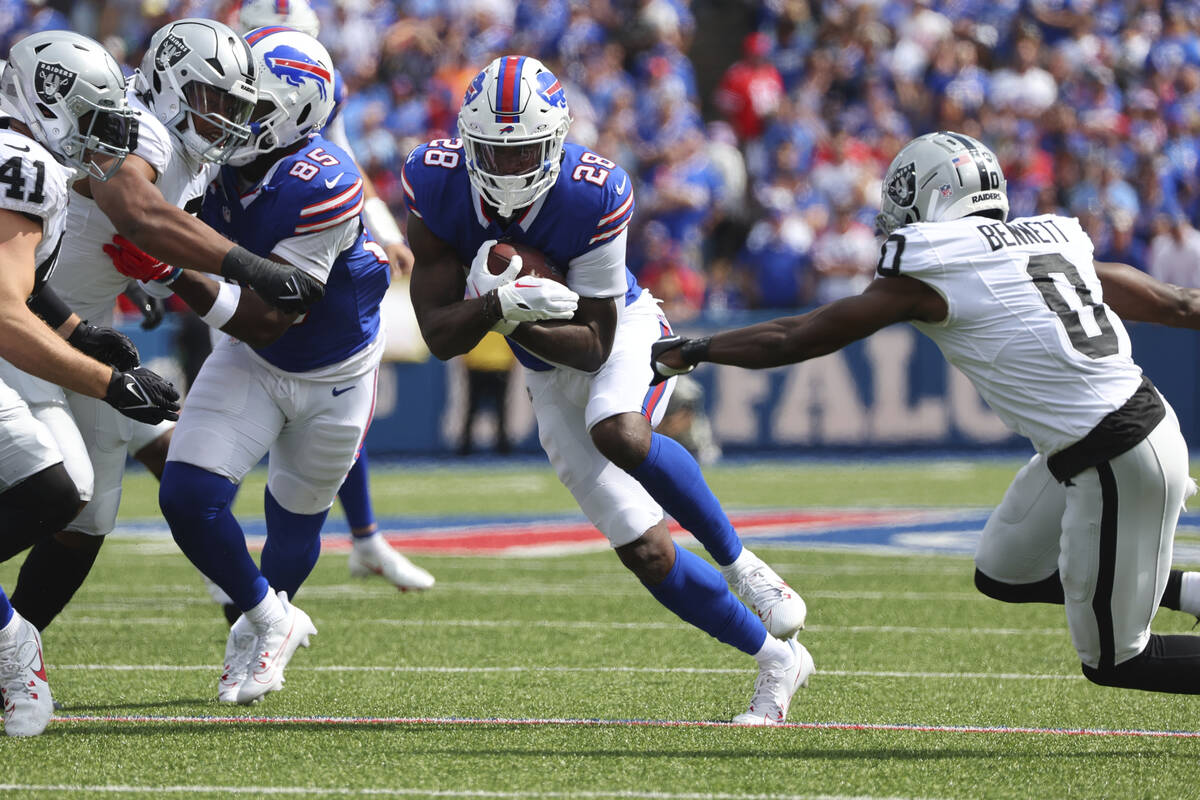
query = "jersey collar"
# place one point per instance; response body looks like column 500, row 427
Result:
column 524, row 221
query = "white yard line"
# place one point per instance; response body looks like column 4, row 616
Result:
column 973, row 676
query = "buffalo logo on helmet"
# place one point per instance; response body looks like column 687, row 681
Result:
column 295, row 68
column 52, row 81
column 902, row 186
column 171, row 51
column 474, row 89
column 551, row 90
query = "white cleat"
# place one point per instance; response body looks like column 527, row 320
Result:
column 23, row 688
column 372, row 555
column 239, row 650
column 778, row 605
column 774, row 687
column 272, row 652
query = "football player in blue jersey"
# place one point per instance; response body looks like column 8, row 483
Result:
column 513, row 177
column 370, row 554
column 300, row 389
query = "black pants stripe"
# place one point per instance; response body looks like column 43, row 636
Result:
column 1102, row 600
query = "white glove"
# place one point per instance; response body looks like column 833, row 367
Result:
column 480, row 280
column 530, row 299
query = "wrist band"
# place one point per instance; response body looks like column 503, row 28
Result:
column 694, row 351
column 223, row 306
column 380, row 222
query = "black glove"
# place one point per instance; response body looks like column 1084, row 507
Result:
column 106, row 345
column 153, row 309
column 662, row 371
column 143, row 395
column 285, row 287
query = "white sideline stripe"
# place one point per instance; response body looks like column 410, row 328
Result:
column 399, row 792
column 592, row 625
column 1019, row 676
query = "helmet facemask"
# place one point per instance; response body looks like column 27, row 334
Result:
column 513, row 174
column 213, row 122
column 103, row 133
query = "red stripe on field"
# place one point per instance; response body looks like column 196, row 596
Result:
column 482, row 538
column 649, row 723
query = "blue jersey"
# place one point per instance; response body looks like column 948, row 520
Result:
column 589, row 205
column 316, row 188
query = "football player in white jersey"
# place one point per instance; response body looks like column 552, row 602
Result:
column 192, row 98
column 60, row 93
column 370, row 554
column 1023, row 310
column 514, row 176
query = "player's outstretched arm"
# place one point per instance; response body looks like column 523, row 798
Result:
column 1138, row 297
column 790, row 340
column 225, row 306
column 449, row 324
column 26, row 341
column 142, row 215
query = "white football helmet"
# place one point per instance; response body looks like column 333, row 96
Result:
column 513, row 122
column 941, row 176
column 71, row 94
column 198, row 79
column 296, row 14
column 295, row 90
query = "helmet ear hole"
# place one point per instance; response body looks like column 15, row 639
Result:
column 304, row 114
column 157, row 83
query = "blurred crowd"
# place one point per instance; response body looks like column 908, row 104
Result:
column 759, row 189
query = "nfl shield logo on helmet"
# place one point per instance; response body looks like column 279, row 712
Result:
column 295, row 67
column 52, row 81
column 172, row 49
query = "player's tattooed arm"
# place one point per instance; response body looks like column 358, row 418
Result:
column 1138, row 297
column 449, row 324
column 583, row 342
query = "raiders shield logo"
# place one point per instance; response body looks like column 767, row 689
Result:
column 902, row 188
column 170, row 51
column 52, row 81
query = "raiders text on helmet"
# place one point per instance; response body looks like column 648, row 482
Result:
column 71, row 94
column 941, row 176
column 198, row 79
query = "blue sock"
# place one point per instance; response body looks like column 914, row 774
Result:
column 355, row 495
column 197, row 505
column 293, row 544
column 673, row 479
column 698, row 595
column 6, row 609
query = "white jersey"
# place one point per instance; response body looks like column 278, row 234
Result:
column 32, row 182
column 87, row 280
column 1027, row 321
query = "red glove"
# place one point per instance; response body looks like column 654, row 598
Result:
column 134, row 263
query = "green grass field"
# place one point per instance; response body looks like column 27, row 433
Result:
column 898, row 641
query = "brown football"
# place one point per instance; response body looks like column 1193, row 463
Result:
column 533, row 261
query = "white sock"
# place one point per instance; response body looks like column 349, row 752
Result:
column 773, row 651
column 267, row 612
column 8, row 633
column 740, row 564
column 1189, row 593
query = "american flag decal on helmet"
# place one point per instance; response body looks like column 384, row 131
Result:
column 508, row 89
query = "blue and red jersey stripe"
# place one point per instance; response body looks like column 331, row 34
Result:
column 654, row 394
